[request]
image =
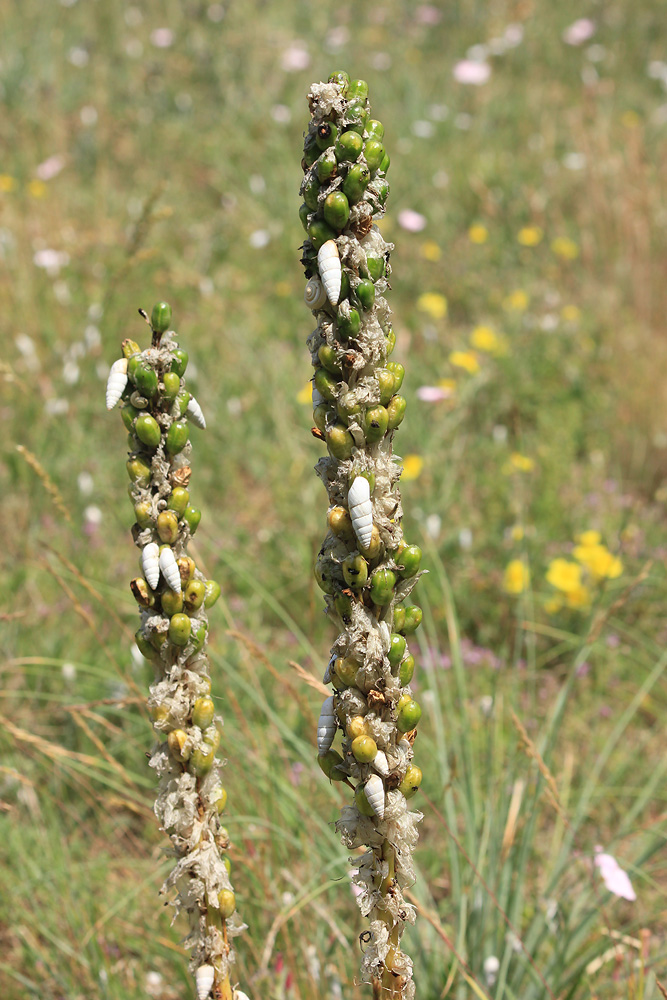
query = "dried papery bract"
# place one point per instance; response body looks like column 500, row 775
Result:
column 173, row 598
column 364, row 567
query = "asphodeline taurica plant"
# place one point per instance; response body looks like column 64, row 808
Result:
column 364, row 567
column 173, row 598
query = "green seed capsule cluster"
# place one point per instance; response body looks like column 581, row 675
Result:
column 173, row 598
column 366, row 572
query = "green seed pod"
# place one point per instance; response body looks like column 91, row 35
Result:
column 356, row 116
column 194, row 594
column 327, row 167
column 212, row 592
column 304, row 212
column 364, row 749
column 329, row 360
column 390, row 341
column 382, row 191
column 341, row 78
column 182, row 399
column 321, row 414
column 167, row 526
column 199, row 637
column 320, row 233
column 408, row 716
column 346, row 669
column 376, row 421
column 399, row 619
column 366, row 294
column 348, row 147
column 176, row 742
column 397, row 645
column 227, row 903
column 180, row 361
column 395, row 411
column 374, row 153
column 362, row 803
column 212, row 737
column 383, row 582
column 411, row 781
column 129, row 348
column 324, row 576
column 177, row 437
column 348, row 324
column 144, row 646
column 203, row 712
column 326, row 135
column 201, row 762
column 410, row 560
column 374, row 546
column 406, row 670
column 310, row 153
column 146, row 381
column 357, row 90
column 336, row 210
column 138, row 471
column 340, row 442
column 133, row 364
column 186, row 569
column 129, row 414
column 356, row 181
column 219, row 802
column 413, row 619
column 226, row 861
column 398, row 371
column 157, row 640
column 347, row 407
column 343, row 606
column 192, row 517
column 340, row 522
column 172, row 604
column 142, row 593
column 330, row 763
column 178, row 500
column 386, row 383
column 311, row 192
column 375, row 129
column 355, row 571
column 172, row 384
column 180, row 628
column 375, row 267
column 161, row 317
column 326, row 384
column 143, row 513
column 159, row 713
column 384, row 167
column 336, row 683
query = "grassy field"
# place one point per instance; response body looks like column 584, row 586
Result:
column 152, row 152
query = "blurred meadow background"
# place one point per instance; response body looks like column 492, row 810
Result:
column 152, row 151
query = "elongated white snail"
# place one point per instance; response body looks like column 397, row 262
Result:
column 361, row 510
column 331, row 271
column 116, row 382
column 326, row 727
column 195, row 413
column 374, row 792
column 204, row 977
column 169, row 568
column 150, row 564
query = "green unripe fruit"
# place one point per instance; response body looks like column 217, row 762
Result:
column 406, row 670
column 157, row 640
column 143, row 514
column 326, row 135
column 399, row 619
column 366, row 294
column 199, row 638
column 179, row 361
column 355, row 571
column 397, row 646
column 376, row 421
column 411, row 557
column 413, row 619
column 384, row 166
column 186, row 569
column 375, row 267
column 182, row 400
column 340, row 442
column 159, row 713
column 386, row 383
column 180, row 628
column 161, row 316
column 129, row 348
column 336, row 683
column 340, row 522
column 194, row 594
column 227, row 903
column 409, row 716
column 396, row 411
column 398, row 371
column 176, row 741
column 356, row 116
column 357, row 89
column 326, row 169
column 212, row 592
column 192, row 517
column 177, row 437
column 324, row 576
column 178, row 500
column 133, row 364
column 310, row 193
column 326, row 384
column 138, row 471
column 330, row 762
column 172, row 383
column 142, row 593
column 167, row 526
column 362, row 803
column 374, row 153
column 144, row 646
column 346, row 668
column 383, row 582
column 320, row 233
column 201, row 762
column 220, row 802
column 375, row 129
column 348, row 146
column 390, row 341
column 203, row 712
column 411, row 781
column 364, row 749
column 382, row 192
column 341, row 78
column 304, row 212
column 310, row 153
column 347, row 407
column 320, row 414
column 349, row 324
column 336, row 210
column 356, row 181
column 328, row 359
column 146, row 381
column 375, row 544
column 343, row 606
column 129, row 414
column 172, row 603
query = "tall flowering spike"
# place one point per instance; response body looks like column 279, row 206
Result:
column 173, row 598
column 364, row 567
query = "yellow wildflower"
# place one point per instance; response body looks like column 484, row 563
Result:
column 283, row 289
column 564, row 247
column 516, row 578
column 412, row 466
column 466, row 360
column 589, row 538
column 433, row 304
column 522, row 463
column 517, row 300
column 571, row 314
column 578, row 598
column 37, row 189
column 7, row 183
column 486, row 339
column 599, row 561
column 478, row 233
column 305, row 395
column 564, row 575
column 430, row 250
column 530, row 236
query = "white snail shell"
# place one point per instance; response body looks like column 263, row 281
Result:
column 194, row 411
column 204, row 977
column 329, row 671
column 314, row 295
column 116, row 382
column 169, row 568
column 361, row 510
column 150, row 563
column 331, row 270
column 374, row 792
column 240, row 995
column 326, row 727
column 380, row 763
